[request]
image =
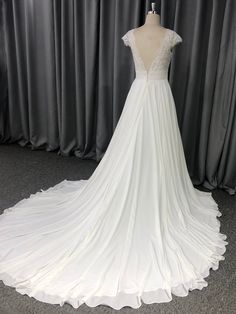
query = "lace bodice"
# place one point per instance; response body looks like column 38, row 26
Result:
column 160, row 64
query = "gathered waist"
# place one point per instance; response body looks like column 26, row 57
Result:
column 143, row 75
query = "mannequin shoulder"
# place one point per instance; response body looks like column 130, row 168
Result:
column 175, row 38
column 126, row 38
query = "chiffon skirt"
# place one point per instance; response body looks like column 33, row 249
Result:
column 136, row 230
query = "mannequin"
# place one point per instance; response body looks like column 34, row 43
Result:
column 149, row 36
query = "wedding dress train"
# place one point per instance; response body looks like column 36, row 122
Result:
column 136, row 230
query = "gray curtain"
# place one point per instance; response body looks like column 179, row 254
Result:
column 65, row 74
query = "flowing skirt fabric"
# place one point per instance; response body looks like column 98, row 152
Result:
column 136, row 230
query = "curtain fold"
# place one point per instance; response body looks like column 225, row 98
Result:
column 65, row 75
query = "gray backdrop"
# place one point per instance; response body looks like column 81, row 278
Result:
column 65, row 74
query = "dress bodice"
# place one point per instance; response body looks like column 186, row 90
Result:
column 160, row 64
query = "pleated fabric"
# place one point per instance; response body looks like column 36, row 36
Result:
column 136, row 230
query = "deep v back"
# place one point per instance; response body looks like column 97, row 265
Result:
column 156, row 54
column 158, row 69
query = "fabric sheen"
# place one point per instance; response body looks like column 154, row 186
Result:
column 136, row 230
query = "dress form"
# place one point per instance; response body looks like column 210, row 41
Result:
column 137, row 230
column 149, row 37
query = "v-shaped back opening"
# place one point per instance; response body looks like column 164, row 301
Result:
column 157, row 52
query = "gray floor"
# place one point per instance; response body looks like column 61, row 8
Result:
column 23, row 171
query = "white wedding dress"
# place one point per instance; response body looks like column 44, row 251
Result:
column 136, row 230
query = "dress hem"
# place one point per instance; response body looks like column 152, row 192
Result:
column 130, row 299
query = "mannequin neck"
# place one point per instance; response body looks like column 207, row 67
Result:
column 152, row 20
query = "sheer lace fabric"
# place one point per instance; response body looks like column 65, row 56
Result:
column 160, row 64
column 136, row 230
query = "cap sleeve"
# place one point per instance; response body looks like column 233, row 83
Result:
column 176, row 39
column 125, row 39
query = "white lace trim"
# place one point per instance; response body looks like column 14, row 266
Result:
column 125, row 39
column 160, row 64
column 176, row 39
